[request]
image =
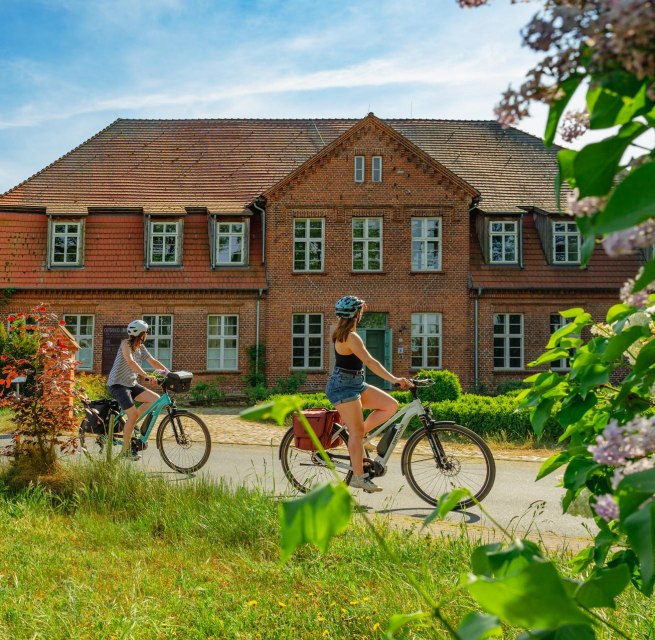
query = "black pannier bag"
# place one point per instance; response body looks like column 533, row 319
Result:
column 178, row 381
column 97, row 416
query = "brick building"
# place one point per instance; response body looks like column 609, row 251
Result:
column 224, row 233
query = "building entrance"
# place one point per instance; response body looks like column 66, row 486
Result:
column 377, row 337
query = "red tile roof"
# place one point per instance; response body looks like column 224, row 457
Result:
column 167, row 165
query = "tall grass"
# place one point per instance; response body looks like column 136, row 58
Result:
column 117, row 553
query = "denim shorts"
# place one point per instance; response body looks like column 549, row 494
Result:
column 125, row 395
column 345, row 385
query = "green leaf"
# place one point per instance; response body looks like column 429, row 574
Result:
column 480, row 558
column 640, row 529
column 534, row 598
column 315, row 518
column 616, row 345
column 566, row 90
column 631, row 202
column 565, row 159
column 596, row 164
column 541, row 413
column 478, row 626
column 446, row 503
column 618, row 312
column 643, row 481
column 646, row 277
column 574, row 407
column 645, row 358
column 400, row 620
column 566, row 632
column 553, row 463
column 499, row 561
column 553, row 354
column 277, row 409
column 600, row 589
column 592, row 376
column 573, row 312
column 577, row 472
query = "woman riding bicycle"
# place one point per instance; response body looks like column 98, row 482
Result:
column 348, row 392
column 122, row 380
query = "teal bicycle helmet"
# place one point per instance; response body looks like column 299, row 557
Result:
column 348, row 306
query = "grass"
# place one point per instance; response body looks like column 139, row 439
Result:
column 5, row 420
column 120, row 554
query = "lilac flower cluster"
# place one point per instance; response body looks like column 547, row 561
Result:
column 626, row 241
column 583, row 206
column 574, row 124
column 640, row 298
column 629, row 449
column 470, row 4
column 606, row 508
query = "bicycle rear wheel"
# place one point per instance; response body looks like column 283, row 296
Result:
column 307, row 469
column 94, row 445
column 468, row 463
column 183, row 441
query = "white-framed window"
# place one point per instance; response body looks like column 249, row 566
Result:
column 566, row 243
column 359, row 168
column 231, row 244
column 376, row 169
column 508, row 341
column 557, row 322
column 160, row 339
column 367, row 244
column 222, row 342
column 81, row 328
column 426, row 341
column 165, row 243
column 308, row 241
column 503, row 242
column 65, row 243
column 426, row 244
column 307, row 341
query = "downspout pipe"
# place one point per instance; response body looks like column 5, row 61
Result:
column 263, row 212
column 259, row 297
column 476, row 338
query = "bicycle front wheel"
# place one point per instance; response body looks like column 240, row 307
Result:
column 183, row 441
column 467, row 463
column 307, row 469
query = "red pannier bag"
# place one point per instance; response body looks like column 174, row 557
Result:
column 321, row 421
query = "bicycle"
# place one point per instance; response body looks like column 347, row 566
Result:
column 437, row 458
column 182, row 437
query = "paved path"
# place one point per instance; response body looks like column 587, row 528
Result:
column 246, row 453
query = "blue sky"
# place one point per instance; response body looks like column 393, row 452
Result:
column 68, row 68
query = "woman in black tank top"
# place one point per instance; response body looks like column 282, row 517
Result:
column 348, row 392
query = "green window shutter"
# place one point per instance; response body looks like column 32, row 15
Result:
column 388, row 353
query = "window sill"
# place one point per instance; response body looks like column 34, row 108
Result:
column 313, row 273
column 64, row 267
column 515, row 265
column 220, row 267
column 426, row 272
column 208, row 371
column 164, row 266
column 368, row 273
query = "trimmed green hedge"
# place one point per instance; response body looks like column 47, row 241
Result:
column 495, row 416
column 446, row 385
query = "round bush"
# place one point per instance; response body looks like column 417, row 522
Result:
column 446, row 385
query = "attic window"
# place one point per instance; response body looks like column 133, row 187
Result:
column 503, row 242
column 566, row 243
column 359, row 169
column 65, row 243
column 164, row 248
column 376, row 169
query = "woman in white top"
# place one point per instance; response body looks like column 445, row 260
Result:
column 122, row 380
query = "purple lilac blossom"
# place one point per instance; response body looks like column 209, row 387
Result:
column 606, row 508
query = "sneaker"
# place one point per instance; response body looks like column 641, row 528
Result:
column 128, row 455
column 360, row 482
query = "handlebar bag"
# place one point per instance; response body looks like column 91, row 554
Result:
column 322, row 422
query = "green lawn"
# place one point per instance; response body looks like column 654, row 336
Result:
column 125, row 555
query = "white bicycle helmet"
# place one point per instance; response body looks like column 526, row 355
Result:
column 137, row 327
column 348, row 306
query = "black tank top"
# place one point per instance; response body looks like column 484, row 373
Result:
column 349, row 361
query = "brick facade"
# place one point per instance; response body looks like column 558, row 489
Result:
column 458, row 173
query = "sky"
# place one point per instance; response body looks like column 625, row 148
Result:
column 68, row 68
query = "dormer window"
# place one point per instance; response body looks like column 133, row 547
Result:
column 231, row 244
column 164, row 243
column 359, row 169
column 566, row 243
column 65, row 243
column 503, row 242
column 376, row 169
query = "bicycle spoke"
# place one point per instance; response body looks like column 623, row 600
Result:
column 184, row 442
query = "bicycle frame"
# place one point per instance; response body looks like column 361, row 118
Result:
column 404, row 415
column 154, row 410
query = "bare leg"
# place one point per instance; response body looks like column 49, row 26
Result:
column 147, row 397
column 382, row 404
column 351, row 413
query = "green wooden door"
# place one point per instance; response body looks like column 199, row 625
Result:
column 378, row 340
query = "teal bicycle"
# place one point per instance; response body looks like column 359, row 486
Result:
column 182, row 439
